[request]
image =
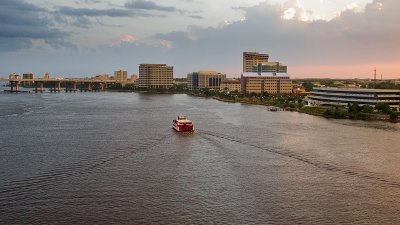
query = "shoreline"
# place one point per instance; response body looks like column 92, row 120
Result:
column 371, row 117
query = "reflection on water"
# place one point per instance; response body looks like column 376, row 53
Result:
column 84, row 158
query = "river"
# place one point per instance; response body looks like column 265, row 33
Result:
column 112, row 158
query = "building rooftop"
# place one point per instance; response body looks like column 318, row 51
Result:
column 356, row 90
column 231, row 81
column 255, row 74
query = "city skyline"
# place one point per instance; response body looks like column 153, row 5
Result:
column 315, row 38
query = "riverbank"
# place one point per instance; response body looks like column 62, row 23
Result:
column 326, row 112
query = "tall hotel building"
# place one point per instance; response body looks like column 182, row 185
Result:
column 156, row 76
column 205, row 80
column 250, row 59
column 260, row 76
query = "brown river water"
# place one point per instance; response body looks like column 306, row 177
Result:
column 112, row 158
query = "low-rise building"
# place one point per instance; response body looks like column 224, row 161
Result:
column 205, row 79
column 231, row 85
column 134, row 77
column 271, row 83
column 345, row 96
column 299, row 89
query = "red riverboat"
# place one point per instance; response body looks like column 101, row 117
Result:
column 182, row 124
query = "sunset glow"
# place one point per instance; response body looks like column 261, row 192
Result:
column 93, row 37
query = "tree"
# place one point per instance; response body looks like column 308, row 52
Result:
column 383, row 107
column 393, row 117
column 367, row 109
column 328, row 113
column 308, row 85
column 354, row 108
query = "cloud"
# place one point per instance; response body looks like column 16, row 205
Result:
column 149, row 5
column 364, row 37
column 70, row 11
column 166, row 44
column 22, row 22
column 196, row 17
column 128, row 39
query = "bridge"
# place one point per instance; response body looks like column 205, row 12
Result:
column 70, row 84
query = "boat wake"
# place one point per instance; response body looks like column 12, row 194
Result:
column 365, row 175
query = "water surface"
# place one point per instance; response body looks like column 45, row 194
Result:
column 112, row 158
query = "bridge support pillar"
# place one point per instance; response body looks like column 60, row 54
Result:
column 74, row 87
column 14, row 84
column 40, row 86
column 57, row 86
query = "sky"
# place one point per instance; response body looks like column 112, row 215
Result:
column 314, row 38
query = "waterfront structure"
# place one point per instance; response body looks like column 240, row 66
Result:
column 156, row 76
column 14, row 76
column 28, row 76
column 271, row 83
column 205, row 79
column 344, row 96
column 121, row 75
column 251, row 59
column 231, row 85
column 70, row 84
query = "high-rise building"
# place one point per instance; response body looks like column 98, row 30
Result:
column 250, row 59
column 156, row 76
column 205, row 79
column 260, row 76
column 121, row 75
column 46, row 76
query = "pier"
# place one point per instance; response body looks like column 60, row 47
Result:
column 70, row 85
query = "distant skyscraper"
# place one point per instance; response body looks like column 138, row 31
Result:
column 205, row 79
column 156, row 76
column 121, row 75
column 46, row 76
column 250, row 59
